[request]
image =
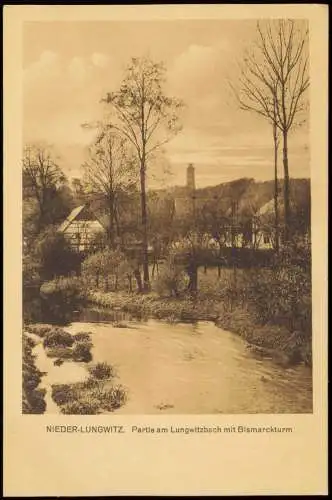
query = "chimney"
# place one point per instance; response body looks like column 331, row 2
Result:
column 191, row 177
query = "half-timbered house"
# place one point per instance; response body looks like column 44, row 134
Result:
column 81, row 228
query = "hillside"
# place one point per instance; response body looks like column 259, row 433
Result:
column 250, row 195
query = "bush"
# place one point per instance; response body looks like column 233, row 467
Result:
column 172, row 280
column 62, row 394
column 283, row 297
column 113, row 398
column 82, row 337
column 61, row 297
column 87, row 397
column 59, row 352
column 40, row 330
column 79, row 407
column 105, row 264
column 37, row 401
column 101, row 371
column 33, row 398
column 58, row 338
column 81, row 352
column 90, row 383
column 54, row 256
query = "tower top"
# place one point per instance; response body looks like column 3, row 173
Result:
column 191, row 176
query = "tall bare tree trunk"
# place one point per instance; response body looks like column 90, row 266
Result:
column 146, row 279
column 276, row 210
column 111, row 221
column 286, row 185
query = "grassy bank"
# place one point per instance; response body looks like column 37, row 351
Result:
column 271, row 340
column 33, row 401
column 94, row 395
column 97, row 394
column 151, row 305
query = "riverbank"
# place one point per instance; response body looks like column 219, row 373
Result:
column 269, row 340
column 33, row 396
column 58, row 376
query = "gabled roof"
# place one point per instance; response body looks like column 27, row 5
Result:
column 73, row 214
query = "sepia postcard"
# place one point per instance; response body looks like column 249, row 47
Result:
column 165, row 255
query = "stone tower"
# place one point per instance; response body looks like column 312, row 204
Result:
column 191, row 177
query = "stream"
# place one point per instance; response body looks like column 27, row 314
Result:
column 192, row 368
column 182, row 368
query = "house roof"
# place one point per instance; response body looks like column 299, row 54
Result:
column 73, row 214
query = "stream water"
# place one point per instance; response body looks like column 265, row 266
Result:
column 185, row 368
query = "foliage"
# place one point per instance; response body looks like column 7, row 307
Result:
column 58, row 338
column 147, row 119
column 172, row 279
column 81, row 352
column 39, row 329
column 81, row 407
column 33, row 398
column 105, row 264
column 60, row 352
column 102, row 371
column 62, row 393
column 83, row 337
column 62, row 345
column 113, row 398
column 89, row 397
column 54, row 255
column 61, row 297
column 283, row 297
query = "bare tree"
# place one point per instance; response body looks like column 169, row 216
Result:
column 276, row 141
column 147, row 119
column 273, row 80
column 108, row 172
column 42, row 176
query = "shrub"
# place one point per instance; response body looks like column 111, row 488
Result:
column 172, row 280
column 106, row 263
column 58, row 338
column 61, row 297
column 59, row 352
column 33, row 398
column 37, row 401
column 114, row 398
column 283, row 297
column 83, row 337
column 81, row 407
column 62, row 393
column 101, row 371
column 90, row 383
column 54, row 255
column 40, row 330
column 81, row 352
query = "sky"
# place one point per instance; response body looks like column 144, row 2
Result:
column 69, row 66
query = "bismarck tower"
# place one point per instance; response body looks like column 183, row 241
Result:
column 191, row 178
column 191, row 191
column 185, row 197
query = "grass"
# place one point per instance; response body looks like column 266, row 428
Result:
column 33, row 398
column 101, row 371
column 61, row 345
column 235, row 301
column 59, row 352
column 91, row 397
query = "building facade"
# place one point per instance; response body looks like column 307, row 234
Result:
column 81, row 229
